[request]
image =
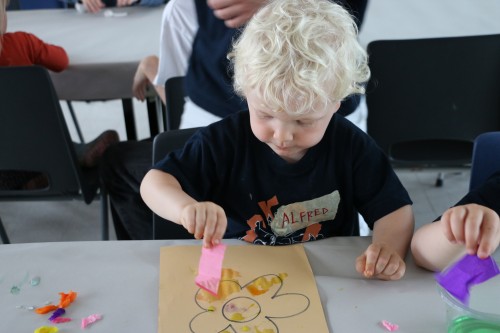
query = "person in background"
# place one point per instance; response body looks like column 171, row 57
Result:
column 95, row 6
column 472, row 227
column 25, row 49
column 289, row 169
column 178, row 28
column 196, row 38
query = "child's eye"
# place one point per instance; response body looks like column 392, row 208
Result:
column 305, row 122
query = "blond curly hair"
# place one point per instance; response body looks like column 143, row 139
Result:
column 300, row 56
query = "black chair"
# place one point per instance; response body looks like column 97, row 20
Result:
column 485, row 158
column 163, row 144
column 174, row 102
column 52, row 4
column 34, row 137
column 428, row 99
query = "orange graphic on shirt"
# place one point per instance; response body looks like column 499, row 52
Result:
column 288, row 219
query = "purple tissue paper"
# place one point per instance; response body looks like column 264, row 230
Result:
column 465, row 273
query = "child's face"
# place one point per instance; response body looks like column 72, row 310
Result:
column 288, row 136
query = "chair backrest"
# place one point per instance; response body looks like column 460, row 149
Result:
column 163, row 144
column 429, row 98
column 174, row 102
column 34, row 137
column 485, row 158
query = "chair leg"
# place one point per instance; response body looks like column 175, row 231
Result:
column 128, row 114
column 75, row 121
column 104, row 215
column 3, row 234
column 440, row 179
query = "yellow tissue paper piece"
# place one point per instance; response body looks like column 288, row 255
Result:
column 46, row 329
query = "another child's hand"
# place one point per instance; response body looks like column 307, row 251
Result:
column 140, row 84
column 476, row 226
column 382, row 262
column 205, row 220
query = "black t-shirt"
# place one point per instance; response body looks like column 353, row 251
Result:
column 269, row 201
column 487, row 194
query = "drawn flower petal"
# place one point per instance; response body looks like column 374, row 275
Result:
column 227, row 289
column 268, row 284
column 209, row 322
column 287, row 305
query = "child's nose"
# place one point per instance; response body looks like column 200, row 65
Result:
column 283, row 133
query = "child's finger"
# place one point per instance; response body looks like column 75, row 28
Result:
column 372, row 255
column 220, row 228
column 472, row 229
column 360, row 264
column 188, row 219
column 398, row 274
column 382, row 261
column 490, row 236
column 457, row 218
column 210, row 226
column 200, row 219
column 446, row 226
column 391, row 266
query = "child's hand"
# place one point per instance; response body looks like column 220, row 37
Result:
column 382, row 262
column 476, row 226
column 205, row 220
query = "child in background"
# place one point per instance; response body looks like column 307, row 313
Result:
column 25, row 49
column 289, row 170
column 472, row 227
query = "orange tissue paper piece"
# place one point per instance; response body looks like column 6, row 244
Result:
column 67, row 299
column 46, row 309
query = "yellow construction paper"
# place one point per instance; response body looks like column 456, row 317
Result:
column 263, row 289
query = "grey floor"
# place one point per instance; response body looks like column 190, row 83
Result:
column 385, row 19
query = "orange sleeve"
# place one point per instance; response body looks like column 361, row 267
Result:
column 50, row 56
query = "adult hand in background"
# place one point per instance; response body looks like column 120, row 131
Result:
column 235, row 13
column 123, row 3
column 93, row 6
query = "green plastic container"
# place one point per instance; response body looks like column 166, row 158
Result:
column 460, row 318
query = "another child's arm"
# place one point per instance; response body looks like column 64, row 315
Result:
column 164, row 195
column 50, row 56
column 384, row 258
column 144, row 76
column 471, row 228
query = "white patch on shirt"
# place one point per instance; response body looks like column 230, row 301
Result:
column 299, row 215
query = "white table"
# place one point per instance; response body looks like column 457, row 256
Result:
column 120, row 281
column 104, row 51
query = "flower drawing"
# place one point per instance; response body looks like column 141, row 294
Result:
column 256, row 307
